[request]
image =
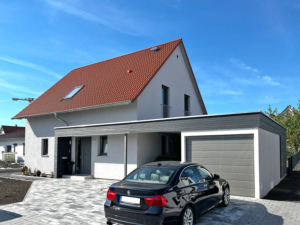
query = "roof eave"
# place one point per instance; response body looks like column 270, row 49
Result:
column 78, row 109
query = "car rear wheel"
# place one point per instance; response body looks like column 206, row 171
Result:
column 226, row 197
column 187, row 217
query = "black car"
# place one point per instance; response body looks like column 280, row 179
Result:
column 165, row 193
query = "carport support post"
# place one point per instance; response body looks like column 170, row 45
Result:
column 125, row 155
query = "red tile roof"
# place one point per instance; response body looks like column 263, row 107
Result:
column 105, row 82
column 15, row 134
column 8, row 129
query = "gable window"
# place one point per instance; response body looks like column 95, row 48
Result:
column 103, row 145
column 165, row 102
column 23, row 148
column 44, row 146
column 186, row 105
column 73, row 92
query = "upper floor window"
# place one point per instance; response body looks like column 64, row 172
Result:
column 186, row 105
column 44, row 146
column 103, row 145
column 73, row 92
column 165, row 102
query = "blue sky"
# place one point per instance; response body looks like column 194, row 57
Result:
column 245, row 54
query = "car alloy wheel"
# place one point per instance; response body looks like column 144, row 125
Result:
column 226, row 196
column 188, row 217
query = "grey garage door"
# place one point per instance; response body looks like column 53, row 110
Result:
column 230, row 156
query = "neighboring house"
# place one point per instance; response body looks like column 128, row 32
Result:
column 288, row 109
column 112, row 116
column 12, row 140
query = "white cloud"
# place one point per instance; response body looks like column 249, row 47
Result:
column 270, row 81
column 268, row 100
column 120, row 21
column 14, row 87
column 241, row 65
column 30, row 65
column 231, row 92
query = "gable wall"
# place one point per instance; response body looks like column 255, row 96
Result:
column 173, row 74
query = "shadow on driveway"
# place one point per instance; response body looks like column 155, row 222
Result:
column 8, row 216
column 239, row 211
column 287, row 190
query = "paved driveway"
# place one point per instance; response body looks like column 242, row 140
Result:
column 60, row 201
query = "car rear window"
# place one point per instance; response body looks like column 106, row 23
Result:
column 152, row 175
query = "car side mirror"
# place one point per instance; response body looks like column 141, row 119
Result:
column 216, row 177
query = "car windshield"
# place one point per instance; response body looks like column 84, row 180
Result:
column 152, row 175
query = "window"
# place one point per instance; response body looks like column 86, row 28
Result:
column 8, row 148
column 164, row 145
column 190, row 176
column 152, row 175
column 165, row 102
column 103, row 145
column 44, row 146
column 186, row 105
column 23, row 148
column 15, row 146
column 206, row 176
column 73, row 92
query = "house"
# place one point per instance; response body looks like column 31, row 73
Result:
column 113, row 116
column 12, row 140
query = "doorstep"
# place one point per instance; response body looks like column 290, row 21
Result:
column 78, row 177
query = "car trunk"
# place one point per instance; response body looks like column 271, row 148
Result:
column 136, row 190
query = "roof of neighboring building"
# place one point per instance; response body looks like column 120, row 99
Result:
column 15, row 134
column 115, row 81
column 287, row 109
column 9, row 129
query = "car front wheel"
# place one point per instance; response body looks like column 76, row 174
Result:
column 187, row 217
column 226, row 197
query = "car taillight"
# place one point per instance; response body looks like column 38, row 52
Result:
column 110, row 195
column 158, row 200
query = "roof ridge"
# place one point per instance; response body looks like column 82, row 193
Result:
column 126, row 54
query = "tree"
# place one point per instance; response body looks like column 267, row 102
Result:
column 291, row 121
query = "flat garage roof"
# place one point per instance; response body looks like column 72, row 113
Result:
column 177, row 124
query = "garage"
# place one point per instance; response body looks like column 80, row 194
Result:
column 230, row 156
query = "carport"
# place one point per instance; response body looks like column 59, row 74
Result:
column 247, row 149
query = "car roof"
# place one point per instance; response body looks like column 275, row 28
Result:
column 170, row 163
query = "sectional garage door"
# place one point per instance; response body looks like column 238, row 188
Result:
column 230, row 156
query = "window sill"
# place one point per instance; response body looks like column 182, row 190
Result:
column 101, row 155
column 45, row 155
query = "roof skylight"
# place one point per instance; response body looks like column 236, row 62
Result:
column 73, row 92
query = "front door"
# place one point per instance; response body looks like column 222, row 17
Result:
column 83, row 155
column 63, row 155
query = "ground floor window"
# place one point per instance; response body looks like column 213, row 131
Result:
column 8, row 148
column 44, row 146
column 23, row 148
column 15, row 146
column 103, row 145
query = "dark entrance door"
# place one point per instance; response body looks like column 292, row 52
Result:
column 63, row 155
column 83, row 155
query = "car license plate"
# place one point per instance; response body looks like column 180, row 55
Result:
column 130, row 200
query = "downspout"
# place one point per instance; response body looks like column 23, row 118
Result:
column 66, row 124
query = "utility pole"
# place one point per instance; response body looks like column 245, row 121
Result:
column 23, row 99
